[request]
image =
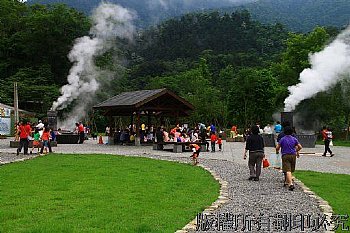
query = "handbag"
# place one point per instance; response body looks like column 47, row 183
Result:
column 265, row 163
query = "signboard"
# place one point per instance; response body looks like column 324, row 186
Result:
column 5, row 126
column 5, row 112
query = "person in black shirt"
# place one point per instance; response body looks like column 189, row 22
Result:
column 255, row 146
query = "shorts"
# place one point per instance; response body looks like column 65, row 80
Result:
column 46, row 143
column 288, row 163
column 36, row 143
column 196, row 154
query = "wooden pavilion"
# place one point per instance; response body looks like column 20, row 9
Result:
column 158, row 103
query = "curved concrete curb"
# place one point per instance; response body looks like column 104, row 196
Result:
column 20, row 160
column 322, row 204
column 222, row 199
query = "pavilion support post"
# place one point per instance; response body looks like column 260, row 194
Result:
column 137, row 138
column 110, row 125
column 149, row 120
column 132, row 123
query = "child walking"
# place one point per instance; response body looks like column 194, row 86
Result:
column 196, row 149
column 219, row 141
column 46, row 137
column 36, row 142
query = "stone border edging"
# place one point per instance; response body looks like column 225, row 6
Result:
column 222, row 199
column 20, row 160
column 323, row 205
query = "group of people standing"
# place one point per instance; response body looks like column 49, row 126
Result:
column 40, row 134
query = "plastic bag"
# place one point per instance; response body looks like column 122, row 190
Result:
column 265, row 163
column 275, row 160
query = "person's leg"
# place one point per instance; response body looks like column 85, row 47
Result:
column 26, row 144
column 289, row 178
column 251, row 165
column 259, row 164
column 326, row 144
column 42, row 147
column 20, row 145
column 49, row 146
column 328, row 149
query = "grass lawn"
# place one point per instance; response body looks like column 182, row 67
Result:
column 101, row 193
column 334, row 188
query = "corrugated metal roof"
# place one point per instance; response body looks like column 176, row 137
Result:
column 129, row 98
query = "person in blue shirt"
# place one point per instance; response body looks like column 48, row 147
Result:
column 278, row 128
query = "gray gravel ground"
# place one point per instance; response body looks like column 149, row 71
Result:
column 266, row 196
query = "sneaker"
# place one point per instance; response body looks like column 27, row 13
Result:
column 291, row 187
column 251, row 178
column 332, row 155
column 256, row 179
column 324, row 155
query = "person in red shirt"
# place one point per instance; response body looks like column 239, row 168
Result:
column 196, row 150
column 219, row 141
column 81, row 132
column 25, row 130
column 45, row 137
column 213, row 139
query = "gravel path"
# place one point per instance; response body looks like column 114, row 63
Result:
column 266, row 196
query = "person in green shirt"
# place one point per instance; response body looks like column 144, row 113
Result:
column 36, row 141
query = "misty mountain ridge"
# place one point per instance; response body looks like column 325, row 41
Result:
column 297, row 15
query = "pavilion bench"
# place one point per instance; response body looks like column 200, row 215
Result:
column 178, row 147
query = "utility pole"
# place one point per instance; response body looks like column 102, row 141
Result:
column 15, row 102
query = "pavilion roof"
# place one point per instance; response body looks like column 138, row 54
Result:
column 158, row 101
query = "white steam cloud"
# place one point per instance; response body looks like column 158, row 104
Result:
column 328, row 67
column 109, row 23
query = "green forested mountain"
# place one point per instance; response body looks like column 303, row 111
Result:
column 232, row 68
column 301, row 15
column 150, row 12
column 297, row 15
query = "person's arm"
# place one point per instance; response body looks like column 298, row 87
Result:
column 278, row 147
column 298, row 148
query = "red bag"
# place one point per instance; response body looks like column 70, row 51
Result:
column 265, row 163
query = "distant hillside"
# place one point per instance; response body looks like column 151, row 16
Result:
column 151, row 11
column 297, row 15
column 301, row 15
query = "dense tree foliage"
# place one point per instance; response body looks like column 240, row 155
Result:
column 34, row 43
column 232, row 68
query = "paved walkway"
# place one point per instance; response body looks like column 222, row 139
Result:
column 266, row 197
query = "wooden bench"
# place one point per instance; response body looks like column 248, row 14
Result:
column 178, row 147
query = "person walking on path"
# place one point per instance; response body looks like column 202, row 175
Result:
column 255, row 146
column 220, row 142
column 24, row 131
column 327, row 137
column 290, row 148
column 196, row 150
column 212, row 141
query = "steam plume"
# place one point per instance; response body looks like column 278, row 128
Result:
column 328, row 67
column 109, row 22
